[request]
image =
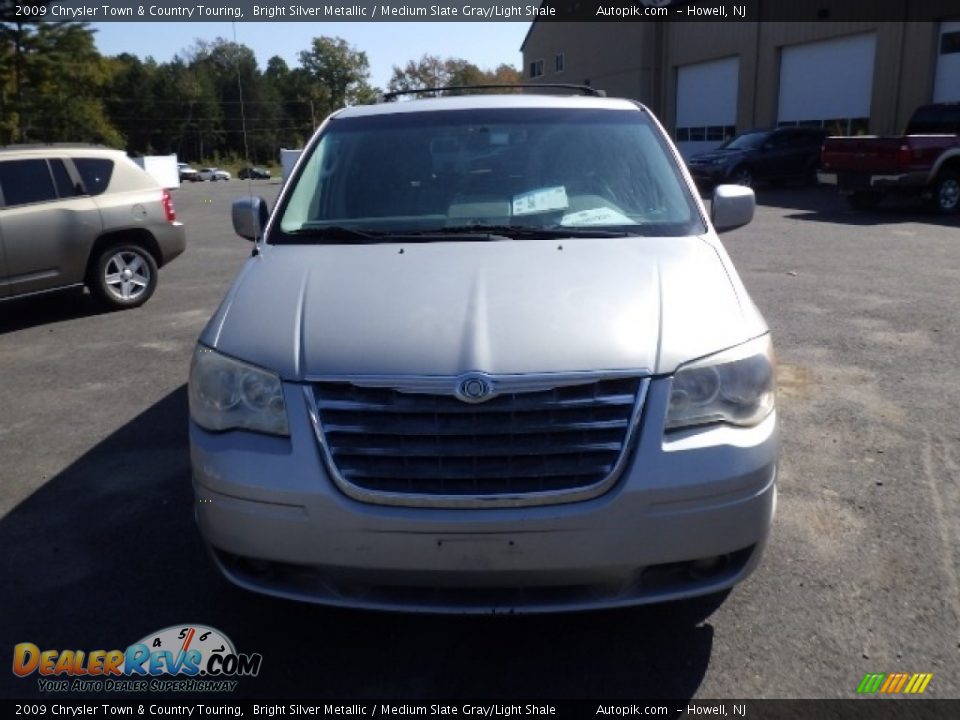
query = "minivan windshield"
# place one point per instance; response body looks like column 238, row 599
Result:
column 514, row 173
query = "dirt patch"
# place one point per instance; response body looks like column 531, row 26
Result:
column 793, row 381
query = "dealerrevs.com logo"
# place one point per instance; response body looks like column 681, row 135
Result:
column 180, row 658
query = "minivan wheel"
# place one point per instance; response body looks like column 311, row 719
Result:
column 742, row 176
column 123, row 276
column 946, row 192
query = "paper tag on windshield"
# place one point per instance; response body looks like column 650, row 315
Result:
column 542, row 200
column 596, row 216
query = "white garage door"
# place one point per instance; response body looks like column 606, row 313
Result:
column 828, row 84
column 706, row 104
column 947, row 85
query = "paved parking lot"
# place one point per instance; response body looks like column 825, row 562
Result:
column 98, row 546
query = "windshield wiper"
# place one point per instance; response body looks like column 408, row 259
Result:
column 345, row 235
column 459, row 232
column 589, row 231
column 338, row 233
column 490, row 233
column 514, row 232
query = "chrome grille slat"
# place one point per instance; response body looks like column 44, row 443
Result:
column 455, row 406
column 471, row 450
column 425, row 448
column 490, row 428
column 464, row 473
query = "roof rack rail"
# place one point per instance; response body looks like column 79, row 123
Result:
column 585, row 89
column 44, row 146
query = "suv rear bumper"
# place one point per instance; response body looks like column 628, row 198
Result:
column 171, row 239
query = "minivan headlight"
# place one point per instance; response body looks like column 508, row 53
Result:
column 226, row 394
column 736, row 386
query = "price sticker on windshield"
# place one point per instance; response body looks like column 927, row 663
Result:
column 540, row 201
column 596, row 216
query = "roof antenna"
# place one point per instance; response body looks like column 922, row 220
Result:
column 243, row 132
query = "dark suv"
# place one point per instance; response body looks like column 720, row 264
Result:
column 787, row 153
column 254, row 173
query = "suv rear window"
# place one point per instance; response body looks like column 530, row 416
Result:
column 26, row 181
column 95, row 172
column 65, row 184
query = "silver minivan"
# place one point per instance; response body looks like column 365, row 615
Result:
column 488, row 355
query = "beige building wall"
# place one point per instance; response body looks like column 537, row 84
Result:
column 689, row 43
column 640, row 60
column 888, row 85
column 917, row 67
column 618, row 57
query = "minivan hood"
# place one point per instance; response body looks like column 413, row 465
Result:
column 445, row 308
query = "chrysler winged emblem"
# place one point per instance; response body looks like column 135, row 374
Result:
column 473, row 388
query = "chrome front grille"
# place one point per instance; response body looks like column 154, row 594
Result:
column 558, row 440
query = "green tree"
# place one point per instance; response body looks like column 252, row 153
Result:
column 431, row 71
column 338, row 73
column 67, row 77
column 16, row 42
column 57, row 78
column 131, row 101
column 291, row 88
column 505, row 74
column 195, row 108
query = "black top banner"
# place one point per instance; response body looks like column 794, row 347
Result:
column 474, row 10
column 208, row 707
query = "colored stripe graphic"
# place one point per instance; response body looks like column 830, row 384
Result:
column 871, row 683
column 894, row 683
column 918, row 683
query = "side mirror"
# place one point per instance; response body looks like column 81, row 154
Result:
column 732, row 207
column 250, row 215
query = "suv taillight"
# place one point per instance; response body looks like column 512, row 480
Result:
column 167, row 201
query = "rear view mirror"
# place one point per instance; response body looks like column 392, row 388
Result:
column 250, row 216
column 732, row 207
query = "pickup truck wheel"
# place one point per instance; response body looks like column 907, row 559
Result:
column 123, row 276
column 946, row 192
column 864, row 200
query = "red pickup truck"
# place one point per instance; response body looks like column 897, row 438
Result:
column 924, row 161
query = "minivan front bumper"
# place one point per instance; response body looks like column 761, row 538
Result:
column 689, row 516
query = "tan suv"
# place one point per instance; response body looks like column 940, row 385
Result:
column 74, row 216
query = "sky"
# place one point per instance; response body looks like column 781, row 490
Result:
column 386, row 44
